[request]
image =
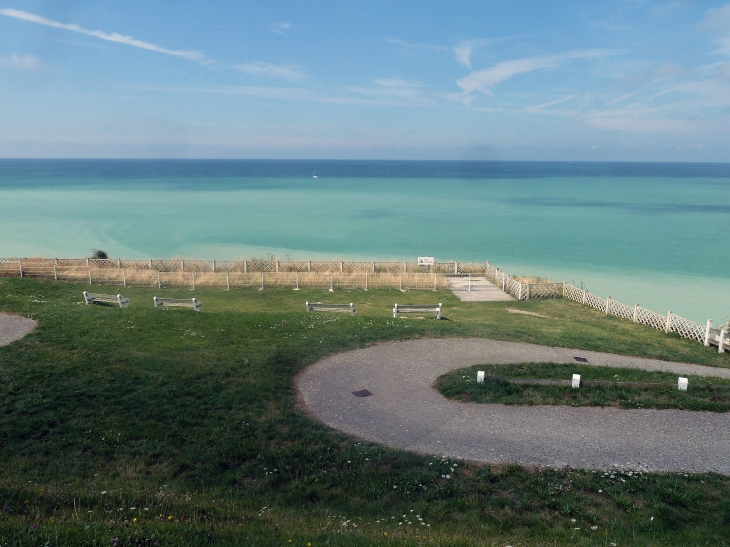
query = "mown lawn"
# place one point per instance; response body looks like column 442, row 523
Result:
column 166, row 427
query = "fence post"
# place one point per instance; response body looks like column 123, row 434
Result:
column 193, row 274
column 89, row 274
column 563, row 289
column 182, row 265
column 277, row 266
column 608, row 305
column 456, row 267
column 723, row 337
column 373, row 266
column 342, row 267
column 400, row 283
column 405, row 267
column 119, row 263
column 228, row 281
column 366, row 281
column 245, row 266
column 585, row 296
column 87, row 260
column 150, row 263
column 55, row 272
column 668, row 326
column 159, row 281
column 309, row 266
column 707, row 332
column 504, row 280
column 434, row 281
column 214, row 266
column 527, row 296
column 124, row 278
column 297, row 276
column 519, row 292
column 20, row 262
column 528, row 287
column 332, row 289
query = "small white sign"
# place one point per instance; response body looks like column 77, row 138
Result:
column 426, row 261
column 576, row 381
column 682, row 384
column 480, row 377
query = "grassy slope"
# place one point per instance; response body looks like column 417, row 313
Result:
column 193, row 417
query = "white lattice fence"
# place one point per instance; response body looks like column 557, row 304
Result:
column 621, row 310
column 471, row 267
column 595, row 302
column 687, row 329
column 648, row 317
column 573, row 293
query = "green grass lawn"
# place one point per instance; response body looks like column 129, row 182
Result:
column 153, row 426
column 461, row 385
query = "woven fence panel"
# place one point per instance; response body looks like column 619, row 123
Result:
column 324, row 266
column 135, row 264
column 358, row 267
column 688, row 329
column 102, row 263
column 261, row 265
column 167, row 265
column 647, row 317
column 200, row 266
column 36, row 270
column 472, row 267
column 293, row 266
column 595, row 302
column 622, row 310
column 546, row 290
column 388, row 267
column 71, row 262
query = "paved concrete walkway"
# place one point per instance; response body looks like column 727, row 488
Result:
column 404, row 411
column 481, row 290
column 13, row 327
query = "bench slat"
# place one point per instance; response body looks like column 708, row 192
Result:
column 90, row 298
column 177, row 302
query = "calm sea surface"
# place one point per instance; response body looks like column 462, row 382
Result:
column 656, row 234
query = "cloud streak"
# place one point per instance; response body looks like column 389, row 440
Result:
column 196, row 56
column 266, row 69
column 485, row 80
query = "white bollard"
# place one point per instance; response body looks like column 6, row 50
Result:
column 682, row 384
column 575, row 383
column 480, row 377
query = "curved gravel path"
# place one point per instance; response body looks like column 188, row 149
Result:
column 13, row 327
column 405, row 411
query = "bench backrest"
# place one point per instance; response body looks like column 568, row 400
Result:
column 178, row 302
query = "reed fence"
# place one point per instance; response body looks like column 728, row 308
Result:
column 255, row 274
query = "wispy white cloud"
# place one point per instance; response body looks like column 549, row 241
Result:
column 266, row 69
column 409, row 48
column 485, row 80
column 279, row 28
column 27, row 61
column 191, row 55
column 462, row 53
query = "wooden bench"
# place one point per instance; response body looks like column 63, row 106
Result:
column 418, row 309
column 92, row 298
column 178, row 302
column 311, row 306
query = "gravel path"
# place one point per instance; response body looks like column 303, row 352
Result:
column 14, row 328
column 404, row 411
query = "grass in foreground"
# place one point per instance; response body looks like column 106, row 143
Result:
column 167, row 427
column 462, row 385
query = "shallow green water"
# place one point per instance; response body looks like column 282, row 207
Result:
column 636, row 234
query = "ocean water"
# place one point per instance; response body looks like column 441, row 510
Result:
column 649, row 233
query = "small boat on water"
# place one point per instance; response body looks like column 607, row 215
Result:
column 314, row 175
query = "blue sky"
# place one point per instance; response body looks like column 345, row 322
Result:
column 616, row 80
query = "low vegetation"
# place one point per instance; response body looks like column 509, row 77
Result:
column 153, row 426
column 462, row 385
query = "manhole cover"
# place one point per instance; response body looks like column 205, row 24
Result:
column 362, row 393
column 581, row 359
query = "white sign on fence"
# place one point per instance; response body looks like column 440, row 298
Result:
column 426, row 261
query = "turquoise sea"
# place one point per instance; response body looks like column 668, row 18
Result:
column 649, row 233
